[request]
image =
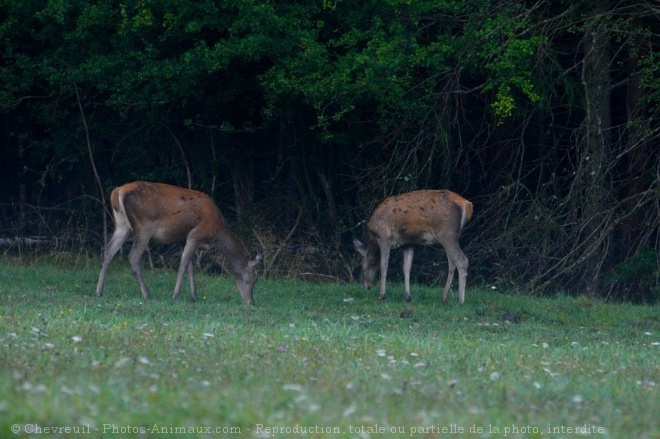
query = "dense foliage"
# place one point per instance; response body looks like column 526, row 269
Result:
column 299, row 116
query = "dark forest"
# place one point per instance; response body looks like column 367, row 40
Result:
column 299, row 117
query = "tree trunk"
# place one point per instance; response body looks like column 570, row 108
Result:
column 333, row 217
column 639, row 166
column 596, row 81
column 242, row 176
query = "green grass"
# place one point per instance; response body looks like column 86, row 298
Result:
column 323, row 357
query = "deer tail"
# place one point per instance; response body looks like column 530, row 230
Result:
column 466, row 213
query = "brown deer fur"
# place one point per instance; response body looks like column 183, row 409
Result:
column 416, row 218
column 172, row 214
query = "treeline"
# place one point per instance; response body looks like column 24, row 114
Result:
column 299, row 116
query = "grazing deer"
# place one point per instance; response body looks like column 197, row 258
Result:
column 422, row 218
column 171, row 214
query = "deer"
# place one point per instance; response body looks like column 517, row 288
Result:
column 424, row 217
column 171, row 214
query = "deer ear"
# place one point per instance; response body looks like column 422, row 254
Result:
column 361, row 248
column 256, row 260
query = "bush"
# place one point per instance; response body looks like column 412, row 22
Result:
column 638, row 277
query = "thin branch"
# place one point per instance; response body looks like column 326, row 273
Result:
column 91, row 159
column 285, row 240
column 183, row 155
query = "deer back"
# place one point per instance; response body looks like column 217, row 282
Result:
column 420, row 217
column 171, row 213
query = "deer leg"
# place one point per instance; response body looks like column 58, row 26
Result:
column 134, row 256
column 458, row 260
column 186, row 265
column 191, row 278
column 450, row 278
column 384, row 260
column 408, row 253
column 462, row 265
column 118, row 239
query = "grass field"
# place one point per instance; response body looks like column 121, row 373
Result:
column 315, row 360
